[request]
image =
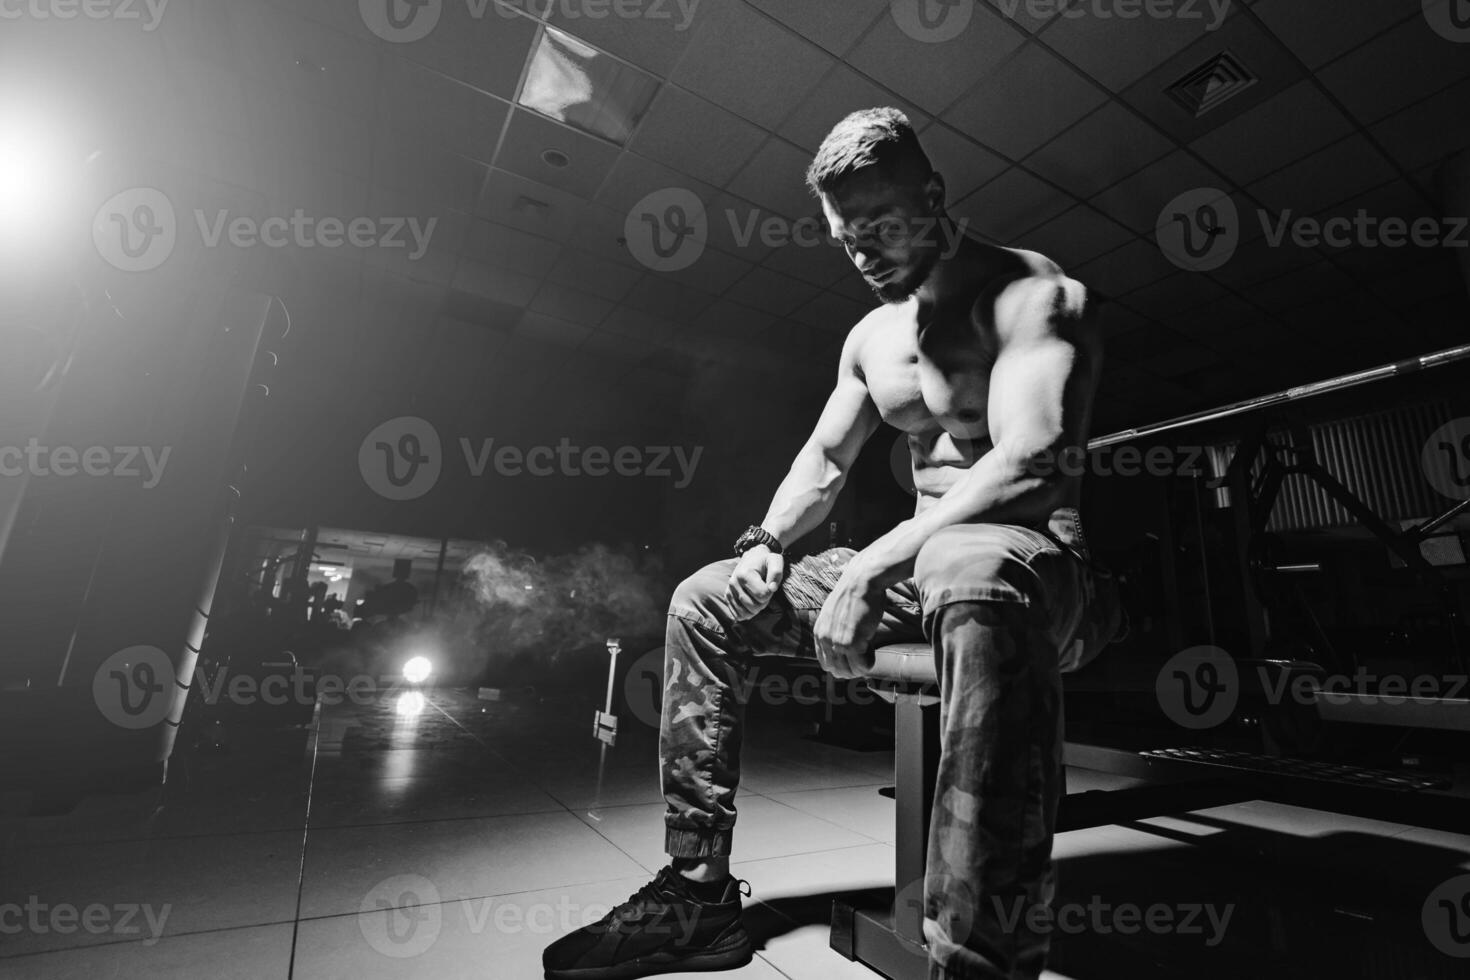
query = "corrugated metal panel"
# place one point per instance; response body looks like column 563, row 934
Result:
column 1377, row 457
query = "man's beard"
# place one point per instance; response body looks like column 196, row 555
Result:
column 902, row 290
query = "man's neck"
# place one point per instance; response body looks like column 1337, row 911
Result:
column 963, row 264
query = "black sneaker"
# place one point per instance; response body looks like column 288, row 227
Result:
column 662, row 928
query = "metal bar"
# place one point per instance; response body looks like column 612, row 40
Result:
column 1429, row 527
column 1299, row 393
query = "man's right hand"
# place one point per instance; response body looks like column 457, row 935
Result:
column 757, row 576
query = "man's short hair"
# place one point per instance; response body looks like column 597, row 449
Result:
column 881, row 137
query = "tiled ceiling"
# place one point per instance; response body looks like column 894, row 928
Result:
column 1053, row 129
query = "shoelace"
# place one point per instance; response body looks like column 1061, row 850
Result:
column 636, row 903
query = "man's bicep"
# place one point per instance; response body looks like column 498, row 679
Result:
column 1038, row 388
column 850, row 417
column 847, row 422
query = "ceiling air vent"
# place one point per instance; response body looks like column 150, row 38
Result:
column 1212, row 84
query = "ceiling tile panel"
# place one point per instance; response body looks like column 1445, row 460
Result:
column 772, row 292
column 964, row 164
column 841, row 92
column 1325, row 178
column 500, row 285
column 1138, row 200
column 650, row 35
column 743, row 61
column 662, row 297
column 1123, row 270
column 529, row 139
column 1167, row 298
column 835, row 27
column 1099, row 151
column 1011, row 205
column 1277, row 132
column 1428, row 131
column 1026, row 102
column 480, row 45
column 572, row 305
column 548, row 212
column 1320, row 30
column 597, row 275
column 510, row 248
column 723, row 145
column 1076, row 236
column 1118, row 51
column 1400, row 67
column 423, row 105
column 551, row 330
column 934, row 75
column 775, row 179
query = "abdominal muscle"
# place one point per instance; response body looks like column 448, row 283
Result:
column 940, row 460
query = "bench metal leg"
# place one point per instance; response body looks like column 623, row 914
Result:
column 892, row 942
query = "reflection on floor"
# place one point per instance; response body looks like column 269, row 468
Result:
column 456, row 840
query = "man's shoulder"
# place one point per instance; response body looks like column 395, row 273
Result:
column 853, row 345
column 1037, row 293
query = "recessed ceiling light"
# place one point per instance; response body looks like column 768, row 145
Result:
column 555, row 158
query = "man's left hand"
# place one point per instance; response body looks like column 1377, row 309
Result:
column 847, row 623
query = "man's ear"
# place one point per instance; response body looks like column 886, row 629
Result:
column 936, row 193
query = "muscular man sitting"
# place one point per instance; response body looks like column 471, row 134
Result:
column 987, row 358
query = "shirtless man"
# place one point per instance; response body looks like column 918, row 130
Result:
column 987, row 358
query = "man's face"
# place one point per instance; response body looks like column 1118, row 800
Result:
column 889, row 228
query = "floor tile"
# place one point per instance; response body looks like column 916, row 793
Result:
column 461, row 858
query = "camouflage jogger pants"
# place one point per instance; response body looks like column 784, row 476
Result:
column 1001, row 605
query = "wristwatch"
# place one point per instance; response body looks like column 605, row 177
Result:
column 755, row 535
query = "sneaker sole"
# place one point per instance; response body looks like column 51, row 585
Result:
column 736, row 951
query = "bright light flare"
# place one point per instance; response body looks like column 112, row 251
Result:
column 410, row 704
column 36, row 174
column 417, row 670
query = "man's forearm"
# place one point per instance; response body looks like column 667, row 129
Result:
column 1000, row 489
column 805, row 497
